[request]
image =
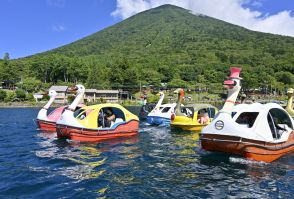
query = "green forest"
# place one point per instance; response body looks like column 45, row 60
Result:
column 168, row 45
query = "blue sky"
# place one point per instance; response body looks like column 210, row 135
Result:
column 33, row 26
column 273, row 6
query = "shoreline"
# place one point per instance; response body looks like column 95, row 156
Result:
column 22, row 105
column 41, row 104
column 35, row 105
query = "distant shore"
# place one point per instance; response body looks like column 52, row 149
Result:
column 21, row 104
column 26, row 104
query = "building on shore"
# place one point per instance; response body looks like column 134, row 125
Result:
column 107, row 95
column 61, row 97
column 91, row 95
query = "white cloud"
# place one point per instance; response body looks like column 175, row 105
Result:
column 232, row 11
column 281, row 23
column 257, row 4
column 58, row 28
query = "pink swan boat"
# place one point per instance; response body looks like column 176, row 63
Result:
column 47, row 122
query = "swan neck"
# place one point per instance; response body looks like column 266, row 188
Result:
column 231, row 100
column 76, row 101
column 51, row 100
column 159, row 103
column 289, row 102
column 178, row 106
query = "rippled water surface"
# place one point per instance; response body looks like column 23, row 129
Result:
column 158, row 163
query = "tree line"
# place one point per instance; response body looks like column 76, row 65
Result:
column 40, row 73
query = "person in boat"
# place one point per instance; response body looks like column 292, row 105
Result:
column 109, row 117
column 276, row 129
column 101, row 119
column 203, row 117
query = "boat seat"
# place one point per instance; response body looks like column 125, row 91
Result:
column 281, row 128
column 284, row 127
column 117, row 120
column 244, row 125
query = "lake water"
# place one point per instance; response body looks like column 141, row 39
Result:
column 158, row 163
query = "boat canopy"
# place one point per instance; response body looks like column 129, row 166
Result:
column 89, row 116
column 264, row 122
column 191, row 109
column 270, row 118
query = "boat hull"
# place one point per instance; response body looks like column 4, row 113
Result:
column 95, row 135
column 153, row 120
column 46, row 125
column 187, row 123
column 251, row 149
column 188, row 127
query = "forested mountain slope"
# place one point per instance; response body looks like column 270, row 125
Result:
column 164, row 44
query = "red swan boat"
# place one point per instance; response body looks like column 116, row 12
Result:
column 47, row 122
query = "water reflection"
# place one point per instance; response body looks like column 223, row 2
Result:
column 158, row 163
column 47, row 135
column 87, row 161
column 246, row 178
column 161, row 163
column 81, row 161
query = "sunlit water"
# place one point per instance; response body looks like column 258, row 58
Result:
column 158, row 163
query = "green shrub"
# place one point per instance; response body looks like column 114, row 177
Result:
column 152, row 98
column 20, row 94
column 11, row 96
column 30, row 97
column 2, row 95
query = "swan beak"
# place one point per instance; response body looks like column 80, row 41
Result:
column 72, row 89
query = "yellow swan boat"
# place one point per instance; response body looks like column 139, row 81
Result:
column 289, row 107
column 192, row 117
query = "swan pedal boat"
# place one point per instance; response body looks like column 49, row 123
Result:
column 187, row 117
column 261, row 132
column 161, row 114
column 47, row 122
column 84, row 125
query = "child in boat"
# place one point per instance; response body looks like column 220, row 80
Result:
column 203, row 117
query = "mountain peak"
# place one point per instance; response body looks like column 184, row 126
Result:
column 169, row 6
column 170, row 43
column 166, row 8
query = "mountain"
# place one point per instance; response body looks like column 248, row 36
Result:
column 167, row 44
